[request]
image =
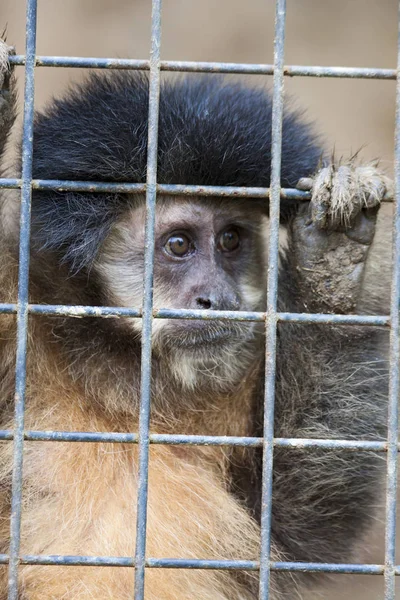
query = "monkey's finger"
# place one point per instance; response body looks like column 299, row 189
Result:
column 372, row 185
column 305, row 184
column 320, row 211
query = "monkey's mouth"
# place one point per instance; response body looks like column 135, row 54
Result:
column 195, row 335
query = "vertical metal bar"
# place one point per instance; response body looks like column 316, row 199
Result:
column 394, row 383
column 144, row 417
column 271, row 321
column 22, row 306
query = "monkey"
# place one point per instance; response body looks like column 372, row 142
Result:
column 83, row 374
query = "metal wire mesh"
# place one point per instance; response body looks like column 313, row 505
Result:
column 271, row 317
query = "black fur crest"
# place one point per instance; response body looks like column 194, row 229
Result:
column 211, row 132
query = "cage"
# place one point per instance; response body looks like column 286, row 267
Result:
column 140, row 562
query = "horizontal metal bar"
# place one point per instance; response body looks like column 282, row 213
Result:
column 11, row 184
column 8, row 309
column 126, row 561
column 187, row 563
column 206, row 315
column 184, row 563
column 83, row 311
column 72, row 561
column 63, row 185
column 344, row 568
column 376, row 320
column 196, row 440
column 228, row 191
column 208, row 67
column 350, row 445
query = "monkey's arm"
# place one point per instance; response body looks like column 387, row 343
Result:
column 331, row 379
column 7, row 97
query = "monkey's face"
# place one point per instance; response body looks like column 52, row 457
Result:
column 209, row 255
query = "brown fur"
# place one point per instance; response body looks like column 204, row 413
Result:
column 84, row 374
column 80, row 498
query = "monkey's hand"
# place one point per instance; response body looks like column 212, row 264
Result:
column 7, row 93
column 330, row 236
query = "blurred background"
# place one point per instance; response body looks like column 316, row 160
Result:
column 351, row 114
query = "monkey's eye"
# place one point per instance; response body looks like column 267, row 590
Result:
column 179, row 245
column 229, row 240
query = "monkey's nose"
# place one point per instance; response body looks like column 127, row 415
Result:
column 217, row 302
